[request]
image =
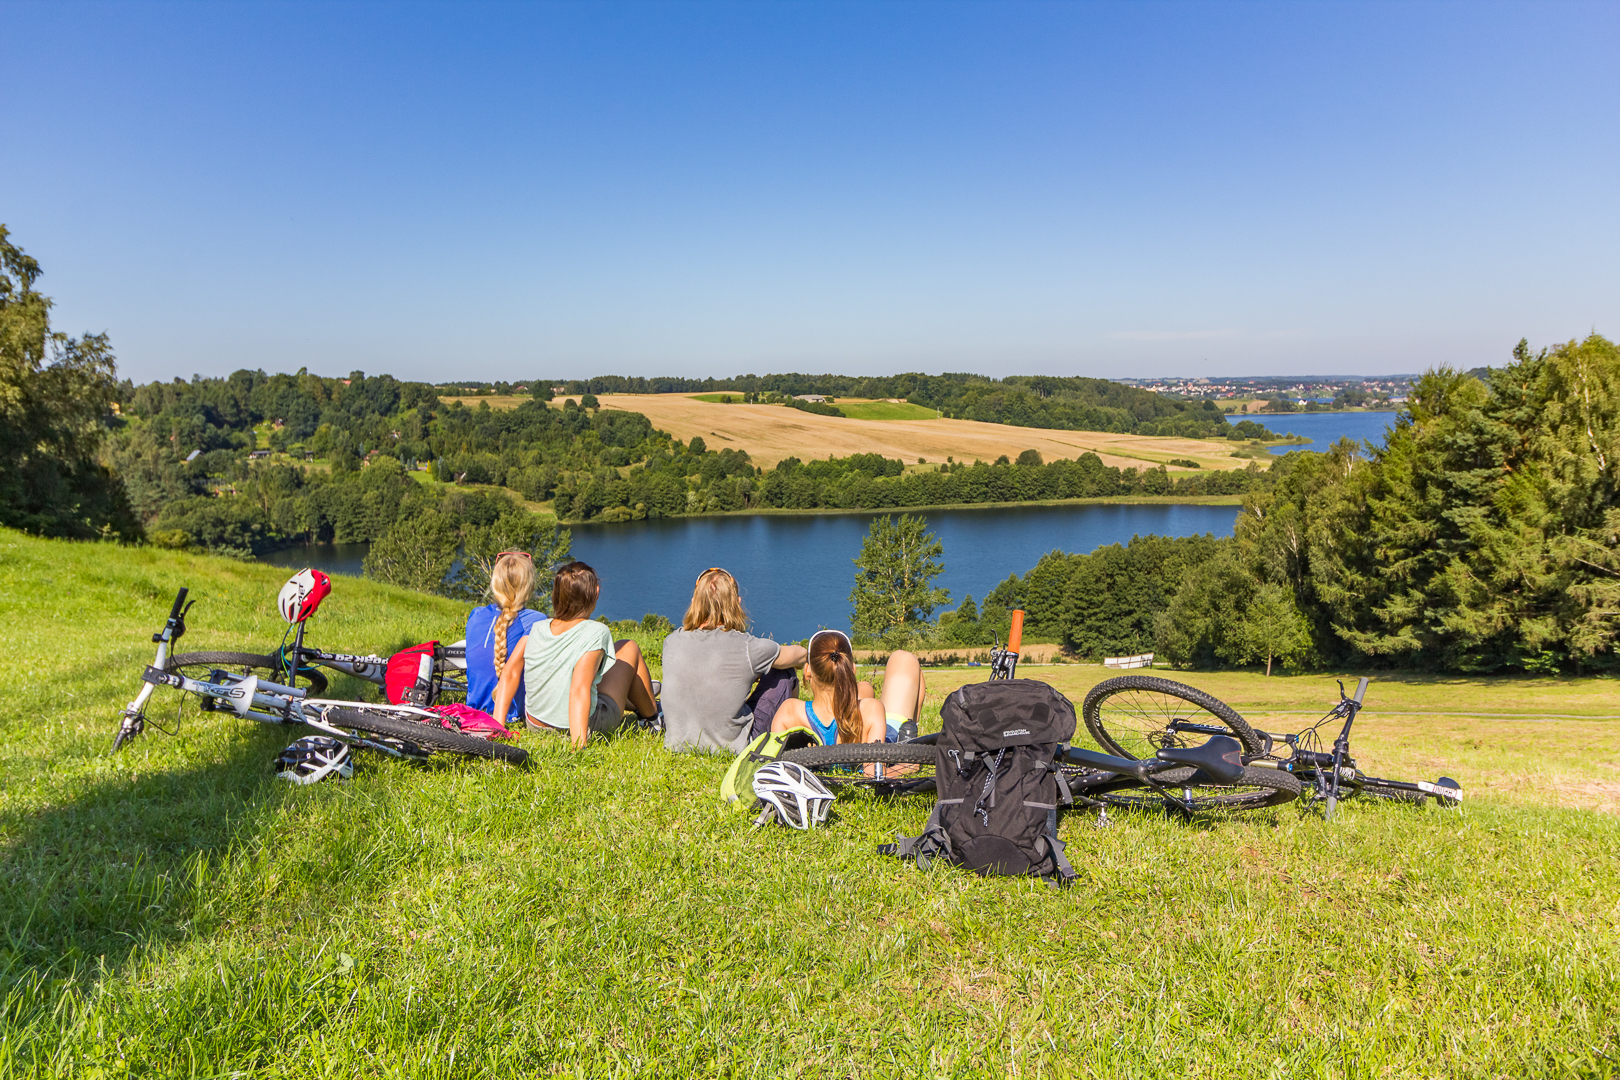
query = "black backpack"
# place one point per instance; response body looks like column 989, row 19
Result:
column 999, row 785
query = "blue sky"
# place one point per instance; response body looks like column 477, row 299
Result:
column 512, row 190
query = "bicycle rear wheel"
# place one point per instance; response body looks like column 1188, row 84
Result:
column 414, row 737
column 1132, row 716
column 197, row 665
column 1255, row 790
column 885, row 768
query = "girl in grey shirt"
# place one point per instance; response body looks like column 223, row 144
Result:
column 710, row 665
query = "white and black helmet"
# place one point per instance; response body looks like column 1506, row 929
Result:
column 313, row 758
column 793, row 792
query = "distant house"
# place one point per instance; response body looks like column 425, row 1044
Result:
column 809, row 397
column 258, row 455
column 192, row 456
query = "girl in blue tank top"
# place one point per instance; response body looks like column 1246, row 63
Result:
column 842, row 709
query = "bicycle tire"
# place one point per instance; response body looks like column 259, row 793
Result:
column 1391, row 794
column 1255, row 790
column 1130, row 716
column 266, row 667
column 844, row 766
column 426, row 736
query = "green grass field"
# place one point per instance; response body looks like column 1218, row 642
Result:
column 854, row 410
column 885, row 410
column 176, row 911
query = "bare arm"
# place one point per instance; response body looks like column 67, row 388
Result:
column 511, row 675
column 790, row 656
column 579, row 697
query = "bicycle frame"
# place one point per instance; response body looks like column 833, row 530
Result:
column 372, row 669
column 272, row 703
column 132, row 721
column 1333, row 774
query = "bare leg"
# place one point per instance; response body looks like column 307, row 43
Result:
column 628, row 682
column 863, row 690
column 903, row 686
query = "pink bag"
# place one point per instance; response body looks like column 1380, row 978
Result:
column 471, row 721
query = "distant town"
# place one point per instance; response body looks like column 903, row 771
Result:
column 1287, row 392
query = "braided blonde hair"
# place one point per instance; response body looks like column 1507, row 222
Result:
column 511, row 583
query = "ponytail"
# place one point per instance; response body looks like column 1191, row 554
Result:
column 833, row 664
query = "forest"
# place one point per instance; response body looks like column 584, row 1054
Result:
column 371, row 441
column 1484, row 537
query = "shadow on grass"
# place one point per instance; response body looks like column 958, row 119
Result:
column 120, row 863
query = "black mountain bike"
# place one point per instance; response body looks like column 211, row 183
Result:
column 1185, row 778
column 1139, row 716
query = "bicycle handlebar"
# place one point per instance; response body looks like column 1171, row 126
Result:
column 179, row 600
column 1361, row 690
column 1015, row 633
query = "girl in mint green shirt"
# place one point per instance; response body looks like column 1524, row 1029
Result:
column 578, row 679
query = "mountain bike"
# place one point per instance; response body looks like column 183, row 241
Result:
column 398, row 730
column 1186, row 779
column 1139, row 716
column 298, row 661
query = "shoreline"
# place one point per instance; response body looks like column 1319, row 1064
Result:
column 1098, row 500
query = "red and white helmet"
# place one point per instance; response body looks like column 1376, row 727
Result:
column 302, row 594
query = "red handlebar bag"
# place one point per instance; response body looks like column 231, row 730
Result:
column 409, row 678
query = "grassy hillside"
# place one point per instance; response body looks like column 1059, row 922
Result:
column 175, row 910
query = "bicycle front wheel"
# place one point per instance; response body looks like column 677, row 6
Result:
column 414, row 736
column 1136, row 716
column 1254, row 790
column 197, row 665
column 885, row 768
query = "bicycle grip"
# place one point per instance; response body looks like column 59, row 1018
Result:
column 179, row 601
column 1361, row 690
column 1015, row 633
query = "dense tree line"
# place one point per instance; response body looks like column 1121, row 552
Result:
column 1484, row 537
column 1041, row 401
column 668, row 484
column 56, row 395
column 184, row 455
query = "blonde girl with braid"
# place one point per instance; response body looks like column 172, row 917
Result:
column 494, row 630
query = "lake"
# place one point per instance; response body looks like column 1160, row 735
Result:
column 1325, row 429
column 796, row 570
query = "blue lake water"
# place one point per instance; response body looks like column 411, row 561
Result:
column 1325, row 429
column 796, row 571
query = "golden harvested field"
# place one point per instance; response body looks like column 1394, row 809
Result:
column 772, row 432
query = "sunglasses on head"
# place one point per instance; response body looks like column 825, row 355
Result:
column 525, row 554
column 713, row 570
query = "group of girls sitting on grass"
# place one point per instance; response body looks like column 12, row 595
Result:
column 722, row 686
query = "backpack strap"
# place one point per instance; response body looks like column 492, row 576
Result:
column 989, row 791
column 1062, row 874
column 932, row 843
column 1065, row 794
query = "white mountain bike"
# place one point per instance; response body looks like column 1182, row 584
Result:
column 398, row 730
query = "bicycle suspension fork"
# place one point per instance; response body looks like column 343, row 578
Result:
column 1341, row 746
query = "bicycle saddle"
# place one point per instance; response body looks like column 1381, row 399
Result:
column 1221, row 758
